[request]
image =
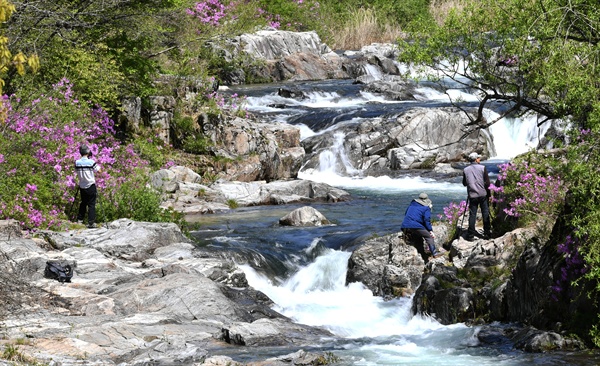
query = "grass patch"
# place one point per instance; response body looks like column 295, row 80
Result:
column 362, row 28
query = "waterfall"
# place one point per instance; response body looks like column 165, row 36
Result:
column 514, row 136
column 335, row 161
column 373, row 71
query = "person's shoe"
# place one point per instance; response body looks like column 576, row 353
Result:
column 487, row 236
column 80, row 221
column 92, row 226
column 470, row 237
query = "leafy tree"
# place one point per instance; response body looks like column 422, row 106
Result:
column 8, row 61
column 539, row 56
column 105, row 47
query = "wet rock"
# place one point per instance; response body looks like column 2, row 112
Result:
column 387, row 266
column 393, row 88
column 291, row 93
column 268, row 332
column 530, row 339
column 444, row 296
column 279, row 192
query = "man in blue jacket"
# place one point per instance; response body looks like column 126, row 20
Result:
column 416, row 225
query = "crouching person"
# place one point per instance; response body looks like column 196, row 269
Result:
column 417, row 228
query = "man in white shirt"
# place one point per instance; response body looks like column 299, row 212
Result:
column 85, row 169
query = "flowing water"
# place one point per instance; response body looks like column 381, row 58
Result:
column 303, row 270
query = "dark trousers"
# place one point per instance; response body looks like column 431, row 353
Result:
column 479, row 202
column 416, row 236
column 88, row 200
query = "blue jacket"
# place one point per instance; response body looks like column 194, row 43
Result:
column 417, row 216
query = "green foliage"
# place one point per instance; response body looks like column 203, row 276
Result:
column 135, row 201
column 104, row 47
column 12, row 353
column 293, row 15
column 232, row 203
column 152, row 149
column 196, row 145
column 392, row 12
column 328, row 358
column 98, row 76
column 584, row 198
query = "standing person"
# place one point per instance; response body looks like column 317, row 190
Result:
column 416, row 225
column 477, row 181
column 85, row 168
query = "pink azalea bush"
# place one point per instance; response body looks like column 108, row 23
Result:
column 572, row 269
column 209, row 12
column 452, row 213
column 284, row 14
column 39, row 145
column 528, row 193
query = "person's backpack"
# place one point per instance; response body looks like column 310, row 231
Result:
column 58, row 271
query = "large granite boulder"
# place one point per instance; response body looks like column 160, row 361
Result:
column 279, row 192
column 387, row 266
column 444, row 296
column 253, row 150
column 513, row 278
column 194, row 198
column 285, row 56
column 468, row 291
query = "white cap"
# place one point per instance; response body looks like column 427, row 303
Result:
column 474, row 156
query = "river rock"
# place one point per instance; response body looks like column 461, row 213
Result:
column 390, row 267
column 530, row 339
column 304, row 216
column 444, row 296
column 296, row 56
column 513, row 278
column 387, row 266
column 141, row 293
column 279, row 192
column 450, row 295
column 285, row 56
column 393, row 88
column 193, row 198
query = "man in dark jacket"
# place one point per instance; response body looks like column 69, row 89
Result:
column 416, row 225
column 477, row 181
